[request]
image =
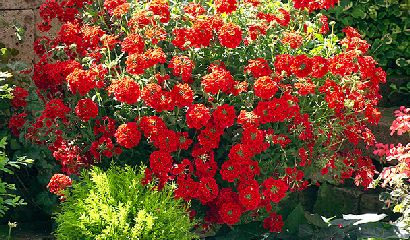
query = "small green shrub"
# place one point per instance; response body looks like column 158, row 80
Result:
column 115, row 205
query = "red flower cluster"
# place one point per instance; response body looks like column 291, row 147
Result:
column 86, row 109
column 274, row 223
column 81, row 81
column 125, row 90
column 54, row 109
column 16, row 122
column 138, row 63
column 313, row 5
column 59, row 182
column 265, row 87
column 105, row 147
column 269, row 17
column 258, row 68
column 293, row 39
column 182, row 66
column 225, row 6
column 128, row 135
column 19, row 97
column 275, row 190
column 133, row 43
column 197, row 116
column 70, row 157
column 194, row 9
column 230, row 35
column 218, row 80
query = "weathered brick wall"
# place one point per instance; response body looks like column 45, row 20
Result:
column 22, row 13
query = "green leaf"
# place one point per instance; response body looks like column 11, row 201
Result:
column 358, row 13
column 295, row 219
column 401, row 62
column 14, row 144
column 316, row 220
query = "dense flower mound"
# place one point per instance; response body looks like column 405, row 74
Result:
column 238, row 102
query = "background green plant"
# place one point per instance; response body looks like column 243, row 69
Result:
column 8, row 197
column 115, row 205
column 385, row 25
column 29, row 182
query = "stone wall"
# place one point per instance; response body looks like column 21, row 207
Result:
column 24, row 14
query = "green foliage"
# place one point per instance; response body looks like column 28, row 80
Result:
column 328, row 197
column 385, row 25
column 5, row 89
column 405, row 89
column 301, row 225
column 7, row 198
column 31, row 183
column 114, row 205
column 365, row 226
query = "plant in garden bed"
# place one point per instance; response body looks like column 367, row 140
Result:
column 238, row 103
column 395, row 176
column 17, row 100
column 8, row 197
column 115, row 205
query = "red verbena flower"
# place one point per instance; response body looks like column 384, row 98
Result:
column 19, row 97
column 273, row 223
column 224, row 116
column 250, row 197
column 194, row 9
column 59, row 182
column 182, row 66
column 265, row 87
column 86, row 109
column 16, row 122
column 230, row 213
column 81, row 81
column 128, row 135
column 218, row 80
column 133, row 43
column 197, row 116
column 125, row 90
column 230, row 35
column 294, row 40
column 225, row 6
column 258, row 68
column 275, row 190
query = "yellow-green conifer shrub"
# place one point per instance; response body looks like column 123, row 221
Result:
column 115, row 205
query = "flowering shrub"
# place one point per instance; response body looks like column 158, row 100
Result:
column 396, row 176
column 237, row 102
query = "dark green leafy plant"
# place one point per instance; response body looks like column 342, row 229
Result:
column 385, row 25
column 7, row 198
column 115, row 205
column 405, row 89
column 30, row 183
column 301, row 225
